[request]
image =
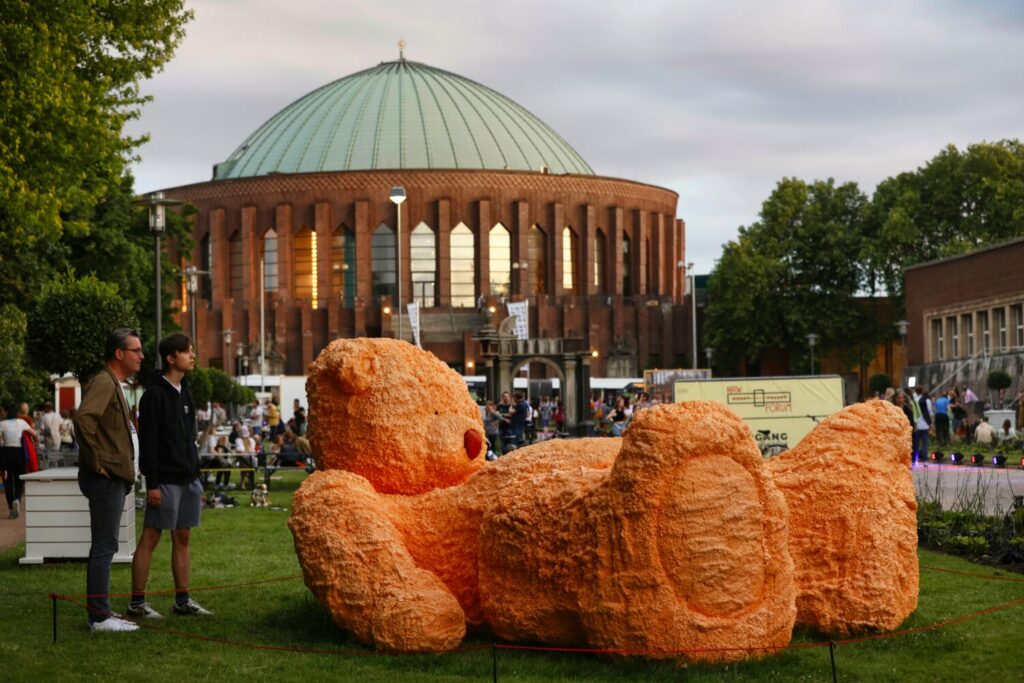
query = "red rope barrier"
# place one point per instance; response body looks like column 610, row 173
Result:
column 539, row 648
column 173, row 591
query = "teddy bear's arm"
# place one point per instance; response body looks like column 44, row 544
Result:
column 355, row 562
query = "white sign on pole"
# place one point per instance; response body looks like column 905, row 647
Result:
column 414, row 321
column 519, row 310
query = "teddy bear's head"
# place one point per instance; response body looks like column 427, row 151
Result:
column 393, row 413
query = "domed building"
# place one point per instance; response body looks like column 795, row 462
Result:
column 500, row 209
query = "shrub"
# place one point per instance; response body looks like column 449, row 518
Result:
column 972, row 546
column 999, row 380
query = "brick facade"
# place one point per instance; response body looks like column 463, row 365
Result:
column 648, row 323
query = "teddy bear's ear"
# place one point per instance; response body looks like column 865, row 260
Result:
column 356, row 370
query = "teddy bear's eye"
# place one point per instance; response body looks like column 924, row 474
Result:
column 436, row 413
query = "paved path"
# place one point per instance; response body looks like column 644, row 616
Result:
column 959, row 486
column 12, row 531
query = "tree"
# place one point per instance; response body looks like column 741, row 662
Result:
column 69, row 81
column 201, row 386
column 955, row 203
column 878, row 383
column 18, row 381
column 70, row 321
column 793, row 272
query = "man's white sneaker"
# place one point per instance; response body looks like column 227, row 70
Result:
column 143, row 611
column 112, row 625
column 15, row 509
column 192, row 608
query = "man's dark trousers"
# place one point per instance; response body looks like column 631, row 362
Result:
column 106, row 504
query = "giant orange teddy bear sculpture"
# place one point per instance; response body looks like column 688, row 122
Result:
column 673, row 541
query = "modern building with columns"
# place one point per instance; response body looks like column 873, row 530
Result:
column 500, row 208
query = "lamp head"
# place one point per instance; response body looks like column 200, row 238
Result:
column 397, row 194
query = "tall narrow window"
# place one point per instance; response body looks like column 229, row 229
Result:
column 206, row 264
column 537, row 260
column 986, row 336
column 343, row 266
column 1001, row 329
column 627, row 266
column 423, row 264
column 599, row 261
column 499, row 244
column 649, row 284
column 1018, row 321
column 268, row 252
column 463, row 264
column 967, row 323
column 382, row 262
column 954, row 337
column 569, row 251
column 938, row 348
column 304, row 255
column 235, row 264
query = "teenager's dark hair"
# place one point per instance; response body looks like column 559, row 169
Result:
column 174, row 343
column 118, row 339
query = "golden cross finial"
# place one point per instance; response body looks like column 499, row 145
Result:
column 401, row 48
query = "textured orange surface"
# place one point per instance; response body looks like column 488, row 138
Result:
column 852, row 520
column 671, row 538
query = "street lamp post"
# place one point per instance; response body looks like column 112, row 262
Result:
column 812, row 340
column 192, row 286
column 709, row 352
column 397, row 197
column 157, row 204
column 901, row 327
column 693, row 305
column 227, row 342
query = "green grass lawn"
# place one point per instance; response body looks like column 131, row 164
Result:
column 244, row 545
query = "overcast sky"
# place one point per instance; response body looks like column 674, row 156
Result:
column 715, row 100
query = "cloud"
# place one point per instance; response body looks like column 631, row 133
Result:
column 715, row 100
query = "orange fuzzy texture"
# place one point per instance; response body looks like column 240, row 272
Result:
column 672, row 538
column 852, row 520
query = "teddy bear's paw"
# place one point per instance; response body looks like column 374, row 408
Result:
column 426, row 619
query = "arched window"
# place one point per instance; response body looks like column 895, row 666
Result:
column 627, row 266
column 499, row 244
column 343, row 266
column 235, row 264
column 206, row 264
column 537, row 260
column 463, row 266
column 382, row 263
column 268, row 252
column 599, row 263
column 304, row 255
column 423, row 264
column 569, row 252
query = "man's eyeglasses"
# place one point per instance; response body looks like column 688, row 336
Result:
column 137, row 351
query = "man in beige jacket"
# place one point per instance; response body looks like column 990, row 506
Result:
column 106, row 467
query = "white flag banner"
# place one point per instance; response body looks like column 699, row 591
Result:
column 414, row 321
column 522, row 314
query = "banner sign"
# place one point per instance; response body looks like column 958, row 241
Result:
column 522, row 315
column 779, row 410
column 414, row 321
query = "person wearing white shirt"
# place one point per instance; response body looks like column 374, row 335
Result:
column 12, row 456
column 984, row 433
column 1007, row 433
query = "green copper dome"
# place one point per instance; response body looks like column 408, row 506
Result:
column 402, row 115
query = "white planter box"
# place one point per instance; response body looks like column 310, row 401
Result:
column 57, row 519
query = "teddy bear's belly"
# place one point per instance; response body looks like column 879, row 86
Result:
column 710, row 525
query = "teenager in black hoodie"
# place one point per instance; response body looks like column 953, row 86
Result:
column 169, row 460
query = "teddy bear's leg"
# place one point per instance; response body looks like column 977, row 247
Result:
column 688, row 542
column 355, row 563
column 852, row 520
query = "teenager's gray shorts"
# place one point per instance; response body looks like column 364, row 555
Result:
column 179, row 507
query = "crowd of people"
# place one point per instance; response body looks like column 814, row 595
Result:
column 954, row 415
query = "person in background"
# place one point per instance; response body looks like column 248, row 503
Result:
column 643, row 400
column 50, row 427
column 984, row 433
column 942, row 419
column 12, row 456
column 492, row 419
column 272, row 415
column 1007, row 432
column 67, row 431
column 923, row 411
column 899, row 399
column 108, row 447
column 169, row 460
column 619, row 416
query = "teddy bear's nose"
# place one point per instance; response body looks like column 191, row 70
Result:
column 473, row 442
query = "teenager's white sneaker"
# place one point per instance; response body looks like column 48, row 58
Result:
column 112, row 625
column 192, row 608
column 143, row 611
